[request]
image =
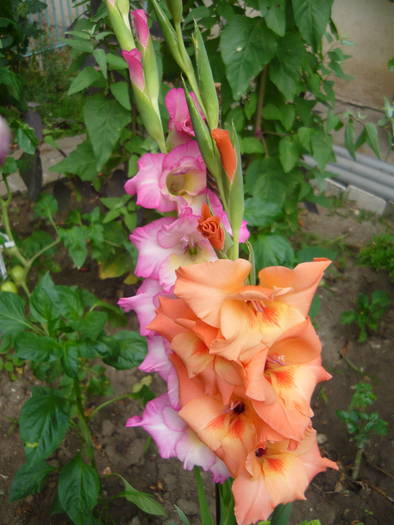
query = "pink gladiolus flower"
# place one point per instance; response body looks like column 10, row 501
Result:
column 172, row 181
column 141, row 26
column 144, row 303
column 174, row 439
column 5, row 139
column 180, row 124
column 134, row 61
column 166, row 244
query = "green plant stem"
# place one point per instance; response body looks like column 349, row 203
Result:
column 108, row 402
column 259, row 109
column 6, row 223
column 205, row 515
column 357, row 463
column 40, row 252
column 84, row 424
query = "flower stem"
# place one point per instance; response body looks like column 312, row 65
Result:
column 259, row 109
column 357, row 463
column 108, row 402
column 84, row 425
column 205, row 515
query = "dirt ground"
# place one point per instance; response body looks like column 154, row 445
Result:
column 332, row 497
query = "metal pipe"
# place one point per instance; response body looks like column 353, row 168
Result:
column 366, row 159
column 365, row 171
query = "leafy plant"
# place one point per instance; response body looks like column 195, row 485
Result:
column 360, row 423
column 367, row 313
column 61, row 332
column 379, row 254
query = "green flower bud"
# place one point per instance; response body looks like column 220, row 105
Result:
column 175, row 7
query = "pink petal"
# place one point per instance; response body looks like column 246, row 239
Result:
column 141, row 26
column 134, row 61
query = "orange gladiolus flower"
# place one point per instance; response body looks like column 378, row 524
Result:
column 227, row 152
column 209, row 226
column 274, row 474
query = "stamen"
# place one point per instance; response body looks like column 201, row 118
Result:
column 239, row 408
column 260, row 452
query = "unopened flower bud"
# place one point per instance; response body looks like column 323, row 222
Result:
column 5, row 139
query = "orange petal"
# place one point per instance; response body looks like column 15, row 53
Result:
column 227, row 152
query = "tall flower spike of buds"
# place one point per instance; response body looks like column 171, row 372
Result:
column 145, row 45
column 134, row 61
column 118, row 11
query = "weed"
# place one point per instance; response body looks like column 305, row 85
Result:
column 379, row 254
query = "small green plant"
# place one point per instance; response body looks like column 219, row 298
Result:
column 379, row 254
column 367, row 313
column 360, row 423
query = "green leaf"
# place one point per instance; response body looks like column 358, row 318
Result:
column 288, row 153
column 308, row 253
column 275, row 17
column 44, row 300
column 75, row 239
column 321, row 148
column 78, row 490
column 372, row 138
column 100, row 57
column 251, row 145
column 29, row 479
column 304, row 136
column 46, row 206
column 272, row 250
column 312, row 18
column 284, row 70
column 250, row 105
column 25, row 140
column 144, row 501
column 285, row 113
column 349, row 138
column 83, row 46
column 80, row 162
column 84, row 79
column 260, row 213
column 127, row 350
column 120, row 91
column 104, row 120
column 115, row 62
column 43, row 423
column 246, row 46
column 92, row 324
column 37, row 348
column 12, row 317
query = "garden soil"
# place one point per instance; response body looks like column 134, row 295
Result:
column 332, row 496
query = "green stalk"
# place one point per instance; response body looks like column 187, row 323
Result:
column 357, row 463
column 84, row 425
column 205, row 515
column 108, row 402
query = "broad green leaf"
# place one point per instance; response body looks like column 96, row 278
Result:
column 250, row 105
column 144, row 501
column 100, row 57
column 321, row 148
column 92, row 324
column 12, row 317
column 104, row 120
column 285, row 113
column 288, row 153
column 84, row 79
column 246, row 46
column 37, row 348
column 70, row 360
column 83, row 46
column 78, row 490
column 116, row 62
column 304, row 137
column 272, row 250
column 70, row 302
column 260, row 213
column 80, row 162
column 263, row 179
column 25, row 140
column 75, row 240
column 43, row 423
column 29, row 479
column 275, row 17
column 128, row 349
column 120, row 91
column 372, row 138
column 44, row 300
column 251, row 145
column 312, row 18
column 285, row 69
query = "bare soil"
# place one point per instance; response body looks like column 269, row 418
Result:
column 332, row 497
